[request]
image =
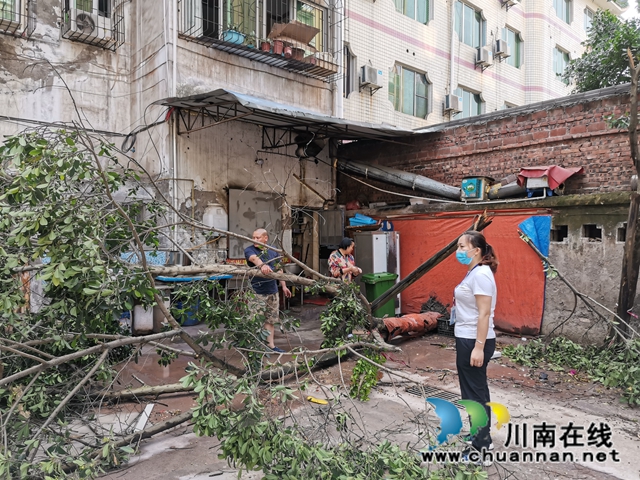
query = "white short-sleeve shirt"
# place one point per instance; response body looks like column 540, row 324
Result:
column 479, row 281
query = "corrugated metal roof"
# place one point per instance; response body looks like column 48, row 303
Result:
column 225, row 105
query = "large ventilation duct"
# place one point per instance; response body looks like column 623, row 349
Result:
column 401, row 178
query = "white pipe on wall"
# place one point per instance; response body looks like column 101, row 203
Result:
column 452, row 84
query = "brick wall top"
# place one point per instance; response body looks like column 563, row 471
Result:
column 570, row 132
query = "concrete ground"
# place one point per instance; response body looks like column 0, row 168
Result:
column 561, row 404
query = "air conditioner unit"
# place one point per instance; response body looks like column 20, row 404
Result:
column 370, row 77
column 483, row 57
column 502, row 49
column 89, row 25
column 452, row 103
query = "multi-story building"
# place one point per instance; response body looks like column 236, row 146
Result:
column 490, row 54
column 215, row 95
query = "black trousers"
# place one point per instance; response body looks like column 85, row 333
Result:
column 473, row 382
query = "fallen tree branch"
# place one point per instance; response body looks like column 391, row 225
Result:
column 148, row 390
column 88, row 351
column 66, row 399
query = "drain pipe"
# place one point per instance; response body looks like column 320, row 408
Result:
column 338, row 100
column 453, row 43
column 174, row 130
column 401, row 178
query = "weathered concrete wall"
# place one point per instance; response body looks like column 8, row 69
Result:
column 592, row 267
column 36, row 73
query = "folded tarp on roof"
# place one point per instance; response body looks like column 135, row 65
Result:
column 555, row 175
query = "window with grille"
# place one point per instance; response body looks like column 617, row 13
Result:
column 254, row 19
column 409, row 91
column 96, row 22
column 15, row 18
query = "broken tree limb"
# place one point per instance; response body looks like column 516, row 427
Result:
column 585, row 298
column 238, row 271
column 149, row 390
column 480, row 224
column 66, row 399
column 82, row 353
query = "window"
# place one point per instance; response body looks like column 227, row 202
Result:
column 94, row 22
column 563, row 9
column 409, row 91
column 15, row 18
column 588, row 19
column 254, row 19
column 314, row 17
column 515, row 47
column 471, row 103
column 621, row 233
column 560, row 61
column 559, row 233
column 470, row 26
column 350, row 71
column 592, row 232
column 417, row 9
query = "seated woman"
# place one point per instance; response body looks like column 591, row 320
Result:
column 342, row 263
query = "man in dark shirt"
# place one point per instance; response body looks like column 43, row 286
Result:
column 266, row 290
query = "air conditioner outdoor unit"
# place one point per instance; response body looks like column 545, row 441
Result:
column 483, row 57
column 452, row 103
column 502, row 49
column 370, row 77
column 89, row 25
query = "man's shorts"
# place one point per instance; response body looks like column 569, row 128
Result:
column 267, row 305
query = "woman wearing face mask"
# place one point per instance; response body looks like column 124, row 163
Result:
column 474, row 303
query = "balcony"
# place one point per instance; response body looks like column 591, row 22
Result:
column 281, row 41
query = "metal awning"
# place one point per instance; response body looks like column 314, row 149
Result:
column 220, row 106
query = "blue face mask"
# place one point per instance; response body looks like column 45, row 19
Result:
column 462, row 257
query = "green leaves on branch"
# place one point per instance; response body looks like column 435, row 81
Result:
column 605, row 62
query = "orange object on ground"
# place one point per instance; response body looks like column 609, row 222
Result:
column 520, row 278
column 415, row 323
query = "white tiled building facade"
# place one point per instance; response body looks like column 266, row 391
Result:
column 426, row 49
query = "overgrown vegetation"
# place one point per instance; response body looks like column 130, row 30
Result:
column 615, row 366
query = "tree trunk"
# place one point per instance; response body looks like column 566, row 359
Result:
column 631, row 258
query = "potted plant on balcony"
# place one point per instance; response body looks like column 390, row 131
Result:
column 250, row 40
column 233, row 35
column 265, row 46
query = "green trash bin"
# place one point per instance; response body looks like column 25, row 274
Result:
column 375, row 285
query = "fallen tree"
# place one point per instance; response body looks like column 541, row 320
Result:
column 63, row 352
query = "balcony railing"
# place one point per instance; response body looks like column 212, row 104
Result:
column 291, row 34
column 16, row 18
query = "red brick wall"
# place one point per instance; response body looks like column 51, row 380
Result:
column 574, row 135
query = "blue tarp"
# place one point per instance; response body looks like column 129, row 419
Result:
column 538, row 229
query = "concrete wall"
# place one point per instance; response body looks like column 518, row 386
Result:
column 33, row 74
column 592, row 267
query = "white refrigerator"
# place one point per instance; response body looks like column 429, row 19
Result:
column 378, row 252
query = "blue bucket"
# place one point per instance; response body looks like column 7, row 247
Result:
column 189, row 316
